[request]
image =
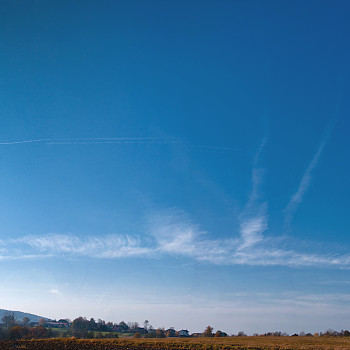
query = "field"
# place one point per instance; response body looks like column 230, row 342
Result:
column 235, row 343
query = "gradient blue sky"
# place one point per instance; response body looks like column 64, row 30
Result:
column 185, row 162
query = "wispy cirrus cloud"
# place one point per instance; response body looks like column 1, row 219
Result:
column 253, row 219
column 169, row 236
column 304, row 184
column 252, row 230
column 173, row 233
column 181, row 238
column 108, row 246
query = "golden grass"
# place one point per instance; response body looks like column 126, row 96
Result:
column 235, row 343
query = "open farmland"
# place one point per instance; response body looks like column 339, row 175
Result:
column 235, row 343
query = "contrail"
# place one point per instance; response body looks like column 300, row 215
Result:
column 304, row 184
column 214, row 148
column 23, row 141
column 90, row 140
column 116, row 140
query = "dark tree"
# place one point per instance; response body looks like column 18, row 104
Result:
column 9, row 320
column 18, row 332
column 80, row 327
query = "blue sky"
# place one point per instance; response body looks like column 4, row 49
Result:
column 184, row 162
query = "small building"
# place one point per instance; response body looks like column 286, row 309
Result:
column 54, row 324
column 170, row 332
column 183, row 333
column 196, row 335
column 62, row 320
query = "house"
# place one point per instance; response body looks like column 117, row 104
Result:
column 170, row 332
column 183, row 333
column 196, row 335
column 62, row 320
column 55, row 324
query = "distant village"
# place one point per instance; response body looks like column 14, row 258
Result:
column 12, row 328
column 81, row 327
column 131, row 328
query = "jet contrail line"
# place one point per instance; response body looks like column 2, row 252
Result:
column 116, row 140
column 23, row 141
column 89, row 140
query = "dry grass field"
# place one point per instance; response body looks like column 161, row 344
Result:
column 235, row 343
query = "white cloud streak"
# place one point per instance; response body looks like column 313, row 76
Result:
column 252, row 231
column 116, row 140
column 253, row 219
column 298, row 196
column 110, row 246
column 304, row 184
column 91, row 140
column 176, row 238
column 24, row 141
column 172, row 233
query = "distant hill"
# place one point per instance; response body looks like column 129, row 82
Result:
column 19, row 315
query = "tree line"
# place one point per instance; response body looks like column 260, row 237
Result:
column 81, row 327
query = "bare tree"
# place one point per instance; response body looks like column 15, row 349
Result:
column 133, row 325
column 42, row 322
column 26, row 321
